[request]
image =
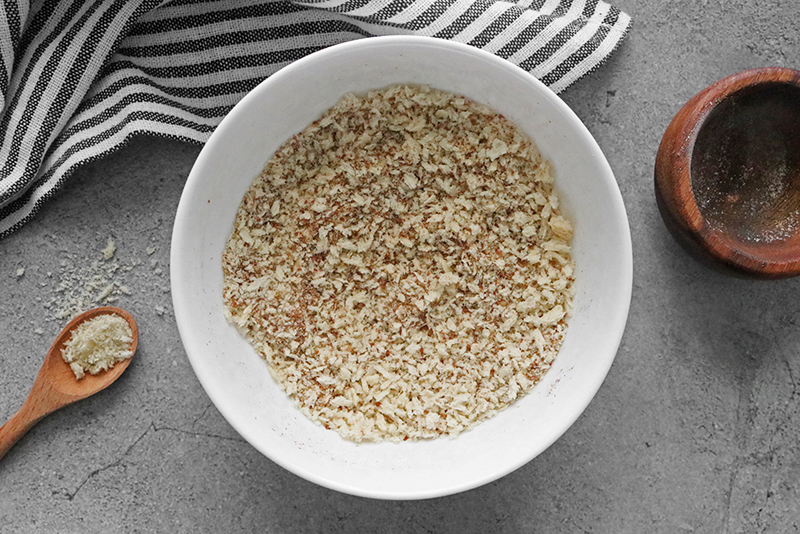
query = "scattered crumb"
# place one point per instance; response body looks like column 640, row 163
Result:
column 83, row 279
column 82, row 285
column 154, row 264
column 105, row 294
column 108, row 252
column 160, row 310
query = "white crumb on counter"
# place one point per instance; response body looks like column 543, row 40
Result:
column 110, row 249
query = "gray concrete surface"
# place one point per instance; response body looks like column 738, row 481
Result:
column 695, row 430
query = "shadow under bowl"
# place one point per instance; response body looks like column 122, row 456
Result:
column 727, row 174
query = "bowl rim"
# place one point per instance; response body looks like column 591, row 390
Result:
column 625, row 270
column 673, row 180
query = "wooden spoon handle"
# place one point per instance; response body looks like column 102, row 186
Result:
column 30, row 413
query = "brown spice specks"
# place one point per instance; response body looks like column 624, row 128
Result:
column 402, row 266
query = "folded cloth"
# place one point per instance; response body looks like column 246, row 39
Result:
column 80, row 78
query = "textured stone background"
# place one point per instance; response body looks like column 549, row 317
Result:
column 696, row 428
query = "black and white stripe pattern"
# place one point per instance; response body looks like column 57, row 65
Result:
column 79, row 78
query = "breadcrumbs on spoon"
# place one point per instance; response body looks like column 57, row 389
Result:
column 97, row 344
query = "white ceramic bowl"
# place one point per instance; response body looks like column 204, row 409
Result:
column 236, row 378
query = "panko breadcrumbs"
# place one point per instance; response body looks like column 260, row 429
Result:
column 98, row 344
column 402, row 266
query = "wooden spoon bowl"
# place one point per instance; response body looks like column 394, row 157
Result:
column 727, row 174
column 56, row 386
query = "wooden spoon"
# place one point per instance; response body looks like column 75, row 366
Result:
column 56, row 386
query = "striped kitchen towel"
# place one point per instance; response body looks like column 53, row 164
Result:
column 79, row 78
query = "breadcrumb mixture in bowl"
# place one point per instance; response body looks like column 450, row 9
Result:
column 475, row 290
column 402, row 266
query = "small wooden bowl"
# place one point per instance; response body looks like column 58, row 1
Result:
column 727, row 174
